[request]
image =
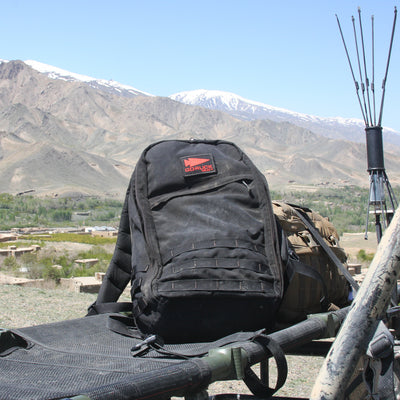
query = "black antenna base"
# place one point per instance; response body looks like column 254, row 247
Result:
column 375, row 156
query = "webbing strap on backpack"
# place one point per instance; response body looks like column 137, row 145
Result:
column 112, row 307
column 254, row 383
column 126, row 326
column 316, row 235
column 295, row 265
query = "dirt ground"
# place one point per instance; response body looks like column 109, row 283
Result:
column 354, row 242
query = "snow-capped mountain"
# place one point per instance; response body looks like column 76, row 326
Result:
column 109, row 86
column 233, row 104
column 239, row 107
column 236, row 105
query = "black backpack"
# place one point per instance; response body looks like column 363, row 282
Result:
column 199, row 242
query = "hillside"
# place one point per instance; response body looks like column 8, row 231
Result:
column 59, row 136
column 237, row 106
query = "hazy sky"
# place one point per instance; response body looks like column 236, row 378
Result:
column 287, row 54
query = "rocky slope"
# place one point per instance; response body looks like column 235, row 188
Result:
column 60, row 136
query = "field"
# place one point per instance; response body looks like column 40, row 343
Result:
column 344, row 206
column 354, row 242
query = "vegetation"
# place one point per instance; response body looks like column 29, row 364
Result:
column 364, row 257
column 345, row 207
column 48, row 264
column 71, row 237
column 29, row 211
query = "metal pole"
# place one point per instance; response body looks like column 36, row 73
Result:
column 392, row 197
column 365, row 65
column 359, row 70
column 387, row 68
column 352, row 71
column 373, row 68
column 368, row 308
column 378, row 227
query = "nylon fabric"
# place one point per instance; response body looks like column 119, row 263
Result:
column 118, row 273
column 184, row 225
column 304, row 293
column 83, row 357
column 210, row 285
column 213, row 245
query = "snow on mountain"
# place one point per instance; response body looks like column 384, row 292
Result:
column 109, row 86
column 239, row 107
column 226, row 101
column 246, row 109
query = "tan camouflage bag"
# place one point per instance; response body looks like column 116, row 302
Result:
column 304, row 293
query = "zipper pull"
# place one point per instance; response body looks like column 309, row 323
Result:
column 248, row 189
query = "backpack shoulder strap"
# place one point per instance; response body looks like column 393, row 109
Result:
column 295, row 265
column 107, row 308
column 119, row 271
column 319, row 239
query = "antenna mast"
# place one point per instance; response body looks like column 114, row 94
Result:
column 379, row 182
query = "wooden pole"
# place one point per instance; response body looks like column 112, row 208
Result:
column 368, row 308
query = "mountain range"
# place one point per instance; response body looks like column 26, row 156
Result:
column 63, row 133
column 237, row 106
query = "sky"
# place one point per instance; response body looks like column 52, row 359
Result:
column 287, row 54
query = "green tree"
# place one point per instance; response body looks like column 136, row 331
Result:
column 62, row 215
column 10, row 263
column 365, row 257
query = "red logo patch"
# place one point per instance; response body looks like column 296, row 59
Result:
column 198, row 165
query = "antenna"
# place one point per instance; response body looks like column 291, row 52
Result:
column 373, row 66
column 379, row 181
column 387, row 66
column 365, row 64
column 359, row 70
column 357, row 86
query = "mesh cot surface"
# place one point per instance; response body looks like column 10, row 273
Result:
column 83, row 357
